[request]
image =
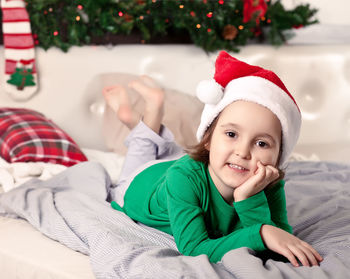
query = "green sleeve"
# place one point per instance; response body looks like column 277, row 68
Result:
column 276, row 199
column 266, row 207
column 185, row 198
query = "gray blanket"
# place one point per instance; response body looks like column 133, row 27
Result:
column 71, row 209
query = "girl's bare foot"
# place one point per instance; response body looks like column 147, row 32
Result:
column 117, row 98
column 154, row 101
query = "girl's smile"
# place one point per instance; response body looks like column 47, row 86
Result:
column 237, row 168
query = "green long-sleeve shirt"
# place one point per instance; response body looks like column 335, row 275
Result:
column 179, row 198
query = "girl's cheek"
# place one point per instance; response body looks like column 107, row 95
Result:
column 271, row 162
column 268, row 159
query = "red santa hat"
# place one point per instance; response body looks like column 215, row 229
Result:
column 235, row 80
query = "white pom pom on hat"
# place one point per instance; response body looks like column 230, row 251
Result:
column 236, row 80
column 209, row 92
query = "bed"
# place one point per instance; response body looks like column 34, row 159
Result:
column 34, row 244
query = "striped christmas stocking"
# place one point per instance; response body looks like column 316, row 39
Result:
column 20, row 73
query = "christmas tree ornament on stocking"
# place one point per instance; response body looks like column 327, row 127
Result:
column 21, row 80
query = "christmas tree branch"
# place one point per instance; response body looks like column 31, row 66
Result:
column 210, row 24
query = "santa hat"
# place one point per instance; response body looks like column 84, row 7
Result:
column 235, row 80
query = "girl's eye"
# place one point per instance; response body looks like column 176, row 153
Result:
column 262, row 144
column 231, row 134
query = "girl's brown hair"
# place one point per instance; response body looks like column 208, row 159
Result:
column 200, row 152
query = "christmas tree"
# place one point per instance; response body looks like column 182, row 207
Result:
column 210, row 24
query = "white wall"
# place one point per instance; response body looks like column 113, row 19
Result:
column 329, row 11
column 333, row 26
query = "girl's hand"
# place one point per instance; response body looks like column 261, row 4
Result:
column 263, row 176
column 289, row 246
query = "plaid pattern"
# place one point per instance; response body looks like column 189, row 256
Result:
column 28, row 136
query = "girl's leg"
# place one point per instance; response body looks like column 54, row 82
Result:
column 145, row 148
column 148, row 140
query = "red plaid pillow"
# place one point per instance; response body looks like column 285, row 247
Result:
column 28, row 136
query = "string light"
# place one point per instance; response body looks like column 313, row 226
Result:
column 221, row 2
column 181, row 6
column 120, row 13
column 198, row 26
column 210, row 15
column 141, row 17
column 241, row 27
column 77, row 18
column 192, row 13
column 80, row 7
column 55, row 33
column 208, row 30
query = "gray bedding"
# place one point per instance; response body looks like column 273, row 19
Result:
column 71, row 209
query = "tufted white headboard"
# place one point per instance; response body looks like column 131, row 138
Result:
column 317, row 76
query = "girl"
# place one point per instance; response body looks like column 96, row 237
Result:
column 227, row 192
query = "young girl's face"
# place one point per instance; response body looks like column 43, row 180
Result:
column 244, row 134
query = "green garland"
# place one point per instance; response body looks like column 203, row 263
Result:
column 210, row 24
